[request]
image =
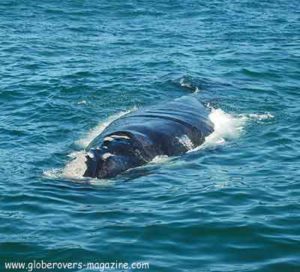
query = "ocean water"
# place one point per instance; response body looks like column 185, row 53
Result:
column 68, row 68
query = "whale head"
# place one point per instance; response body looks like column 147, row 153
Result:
column 103, row 164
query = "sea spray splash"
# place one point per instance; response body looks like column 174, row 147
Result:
column 228, row 126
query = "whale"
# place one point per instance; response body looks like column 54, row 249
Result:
column 135, row 139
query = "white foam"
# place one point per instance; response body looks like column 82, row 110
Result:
column 160, row 159
column 52, row 173
column 228, row 126
column 74, row 171
column 71, row 172
column 75, row 168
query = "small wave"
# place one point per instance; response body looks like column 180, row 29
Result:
column 82, row 102
column 260, row 117
column 189, row 85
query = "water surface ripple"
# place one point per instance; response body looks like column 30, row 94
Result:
column 68, row 65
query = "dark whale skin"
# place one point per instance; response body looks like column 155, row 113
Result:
column 169, row 129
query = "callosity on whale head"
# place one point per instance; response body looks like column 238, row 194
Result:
column 102, row 164
column 115, row 155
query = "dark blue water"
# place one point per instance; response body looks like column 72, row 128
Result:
column 66, row 66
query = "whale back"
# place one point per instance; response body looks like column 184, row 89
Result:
column 170, row 129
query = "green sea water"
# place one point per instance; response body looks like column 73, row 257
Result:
column 68, row 68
